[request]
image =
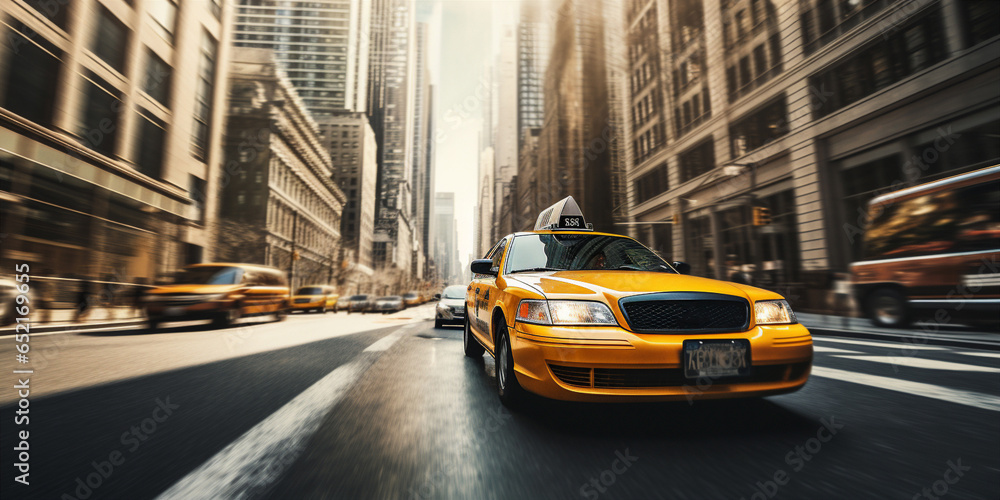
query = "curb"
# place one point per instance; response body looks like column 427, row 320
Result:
column 907, row 339
column 74, row 326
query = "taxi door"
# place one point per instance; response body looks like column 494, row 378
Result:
column 483, row 289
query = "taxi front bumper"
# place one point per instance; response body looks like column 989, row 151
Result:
column 166, row 311
column 613, row 364
column 307, row 303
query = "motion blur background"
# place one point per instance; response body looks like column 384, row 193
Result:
column 379, row 145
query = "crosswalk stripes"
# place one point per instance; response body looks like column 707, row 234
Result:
column 914, row 362
column 967, row 398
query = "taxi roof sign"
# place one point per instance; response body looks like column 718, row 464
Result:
column 564, row 214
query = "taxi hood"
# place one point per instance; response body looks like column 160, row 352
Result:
column 613, row 285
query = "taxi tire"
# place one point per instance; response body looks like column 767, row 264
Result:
column 472, row 347
column 891, row 299
column 510, row 392
column 229, row 316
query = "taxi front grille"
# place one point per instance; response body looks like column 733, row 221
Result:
column 572, row 375
column 686, row 312
column 643, row 378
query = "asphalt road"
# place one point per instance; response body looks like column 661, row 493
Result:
column 388, row 407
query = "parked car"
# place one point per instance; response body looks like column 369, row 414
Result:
column 316, row 298
column 451, row 308
column 388, row 304
column 221, row 292
column 411, row 299
column 358, row 303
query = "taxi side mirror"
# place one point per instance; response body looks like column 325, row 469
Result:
column 483, row 266
column 682, row 267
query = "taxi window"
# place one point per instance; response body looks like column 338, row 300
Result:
column 961, row 220
column 498, row 253
column 581, row 252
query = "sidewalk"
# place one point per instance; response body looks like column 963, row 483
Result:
column 58, row 320
column 920, row 333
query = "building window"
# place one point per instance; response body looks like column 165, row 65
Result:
column 149, row 145
column 651, row 183
column 110, row 40
column 981, row 20
column 197, row 188
column 760, row 127
column 823, row 21
column 910, row 49
column 697, row 160
column 157, row 78
column 164, row 15
column 99, row 122
column 31, row 76
column 53, row 11
column 204, row 93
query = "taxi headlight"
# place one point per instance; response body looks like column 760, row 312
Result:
column 564, row 312
column 773, row 312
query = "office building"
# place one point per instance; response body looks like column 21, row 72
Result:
column 806, row 110
column 112, row 118
column 321, row 45
column 278, row 203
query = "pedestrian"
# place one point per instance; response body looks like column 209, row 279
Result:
column 138, row 290
column 43, row 295
column 83, row 299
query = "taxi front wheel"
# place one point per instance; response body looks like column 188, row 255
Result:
column 508, row 388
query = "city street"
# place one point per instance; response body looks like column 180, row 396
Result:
column 387, row 406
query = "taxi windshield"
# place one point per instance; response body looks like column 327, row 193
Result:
column 581, row 252
column 210, row 275
column 310, row 290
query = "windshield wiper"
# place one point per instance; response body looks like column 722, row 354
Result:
column 629, row 267
column 536, row 269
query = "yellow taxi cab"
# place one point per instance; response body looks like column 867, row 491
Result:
column 577, row 315
column 316, row 298
column 411, row 299
column 221, row 292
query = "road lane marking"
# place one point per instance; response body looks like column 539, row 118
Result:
column 930, row 364
column 250, row 464
column 982, row 354
column 967, row 398
column 822, row 348
column 384, row 343
column 890, row 345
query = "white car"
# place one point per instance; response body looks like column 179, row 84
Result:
column 451, row 308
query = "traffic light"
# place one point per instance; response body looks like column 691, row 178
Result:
column 761, row 216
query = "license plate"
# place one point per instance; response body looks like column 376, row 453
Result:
column 716, row 358
column 173, row 311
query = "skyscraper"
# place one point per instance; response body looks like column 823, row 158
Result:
column 320, row 44
column 420, row 165
column 354, row 153
column 390, row 98
column 446, row 246
column 577, row 146
column 532, row 59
